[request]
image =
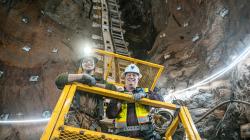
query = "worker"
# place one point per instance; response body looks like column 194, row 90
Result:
column 132, row 119
column 88, row 104
column 86, row 77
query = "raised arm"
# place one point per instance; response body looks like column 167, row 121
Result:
column 65, row 78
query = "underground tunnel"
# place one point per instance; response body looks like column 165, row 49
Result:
column 193, row 54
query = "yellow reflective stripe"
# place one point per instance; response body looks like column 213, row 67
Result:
column 140, row 116
column 121, row 122
column 146, row 90
column 141, row 113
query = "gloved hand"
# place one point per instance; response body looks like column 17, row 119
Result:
column 138, row 96
column 88, row 79
column 110, row 87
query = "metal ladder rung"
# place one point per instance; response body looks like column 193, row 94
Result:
column 114, row 11
column 113, row 4
column 117, row 21
column 115, row 15
column 116, row 25
column 117, row 29
column 117, row 33
column 119, row 43
column 117, row 36
column 123, row 53
column 112, row 1
column 121, row 46
column 121, row 49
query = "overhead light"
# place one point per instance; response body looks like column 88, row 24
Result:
column 84, row 47
column 87, row 50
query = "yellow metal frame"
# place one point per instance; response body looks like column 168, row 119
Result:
column 109, row 68
column 90, row 133
column 56, row 123
column 134, row 60
column 185, row 118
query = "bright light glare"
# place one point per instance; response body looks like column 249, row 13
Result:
column 25, row 121
column 87, row 51
column 84, row 47
column 219, row 73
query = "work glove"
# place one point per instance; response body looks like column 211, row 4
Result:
column 138, row 96
column 110, row 87
column 88, row 79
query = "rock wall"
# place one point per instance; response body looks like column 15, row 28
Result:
column 41, row 26
column 197, row 38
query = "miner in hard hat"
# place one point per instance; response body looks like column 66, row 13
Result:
column 86, row 77
column 132, row 119
column 89, row 104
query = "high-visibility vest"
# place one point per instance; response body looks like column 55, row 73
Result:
column 142, row 115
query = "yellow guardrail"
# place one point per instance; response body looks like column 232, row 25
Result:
column 57, row 130
column 159, row 68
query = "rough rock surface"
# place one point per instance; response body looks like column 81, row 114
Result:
column 42, row 26
column 219, row 38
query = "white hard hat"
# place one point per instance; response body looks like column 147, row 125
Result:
column 133, row 69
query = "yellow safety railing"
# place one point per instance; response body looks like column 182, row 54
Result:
column 114, row 56
column 57, row 130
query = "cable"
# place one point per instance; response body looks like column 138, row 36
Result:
column 219, row 105
column 25, row 121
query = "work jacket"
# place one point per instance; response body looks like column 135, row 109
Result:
column 142, row 113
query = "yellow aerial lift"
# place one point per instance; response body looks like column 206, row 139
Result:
column 57, row 129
